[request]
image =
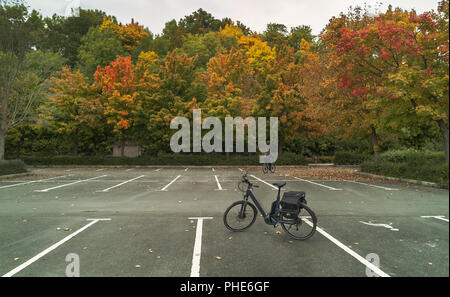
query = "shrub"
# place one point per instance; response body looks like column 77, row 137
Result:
column 166, row 159
column 11, row 167
column 350, row 158
column 411, row 164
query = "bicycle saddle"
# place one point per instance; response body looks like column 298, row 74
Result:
column 279, row 185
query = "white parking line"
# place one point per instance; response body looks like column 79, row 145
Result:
column 352, row 253
column 30, row 182
column 48, row 250
column 370, row 185
column 218, row 184
column 125, row 182
column 195, row 269
column 65, row 185
column 264, row 182
column 308, row 181
column 442, row 218
column 165, row 188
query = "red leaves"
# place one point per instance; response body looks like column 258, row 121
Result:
column 345, row 82
column 384, row 54
column 362, row 92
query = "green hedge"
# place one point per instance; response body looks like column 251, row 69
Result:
column 169, row 159
column 350, row 158
column 409, row 164
column 11, row 167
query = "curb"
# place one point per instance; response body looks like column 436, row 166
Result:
column 400, row 179
column 16, row 175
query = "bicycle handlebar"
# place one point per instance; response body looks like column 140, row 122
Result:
column 245, row 180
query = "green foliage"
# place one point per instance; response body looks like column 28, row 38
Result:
column 410, row 164
column 98, row 49
column 11, row 167
column 350, row 158
column 166, row 159
column 205, row 46
column 19, row 29
column 64, row 34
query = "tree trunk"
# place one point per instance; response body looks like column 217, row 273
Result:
column 375, row 144
column 444, row 133
column 75, row 147
column 2, row 144
column 122, row 147
column 280, row 145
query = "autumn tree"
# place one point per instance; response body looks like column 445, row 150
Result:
column 118, row 86
column 397, row 59
column 74, row 111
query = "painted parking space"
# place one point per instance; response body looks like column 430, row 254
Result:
column 156, row 210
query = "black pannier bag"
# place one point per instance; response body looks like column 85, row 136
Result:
column 290, row 203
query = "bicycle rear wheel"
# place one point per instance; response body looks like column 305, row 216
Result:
column 239, row 216
column 304, row 226
column 265, row 168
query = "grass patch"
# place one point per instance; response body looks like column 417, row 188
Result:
column 12, row 167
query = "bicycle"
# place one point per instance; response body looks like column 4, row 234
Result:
column 243, row 213
column 268, row 167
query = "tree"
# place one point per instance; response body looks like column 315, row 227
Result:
column 275, row 34
column 73, row 111
column 130, row 34
column 204, row 46
column 398, row 59
column 119, row 86
column 21, row 82
column 174, row 34
column 298, row 34
column 200, row 22
column 98, row 48
column 64, row 34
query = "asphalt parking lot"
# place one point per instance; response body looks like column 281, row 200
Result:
column 168, row 222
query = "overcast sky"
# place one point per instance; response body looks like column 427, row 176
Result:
column 253, row 13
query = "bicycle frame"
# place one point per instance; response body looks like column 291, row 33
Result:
column 268, row 219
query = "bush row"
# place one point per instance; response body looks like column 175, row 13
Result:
column 417, row 165
column 350, row 158
column 11, row 167
column 177, row 159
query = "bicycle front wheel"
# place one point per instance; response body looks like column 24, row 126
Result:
column 239, row 216
column 265, row 168
column 272, row 168
column 302, row 227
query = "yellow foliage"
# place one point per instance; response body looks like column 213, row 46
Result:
column 231, row 31
column 260, row 56
column 130, row 34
